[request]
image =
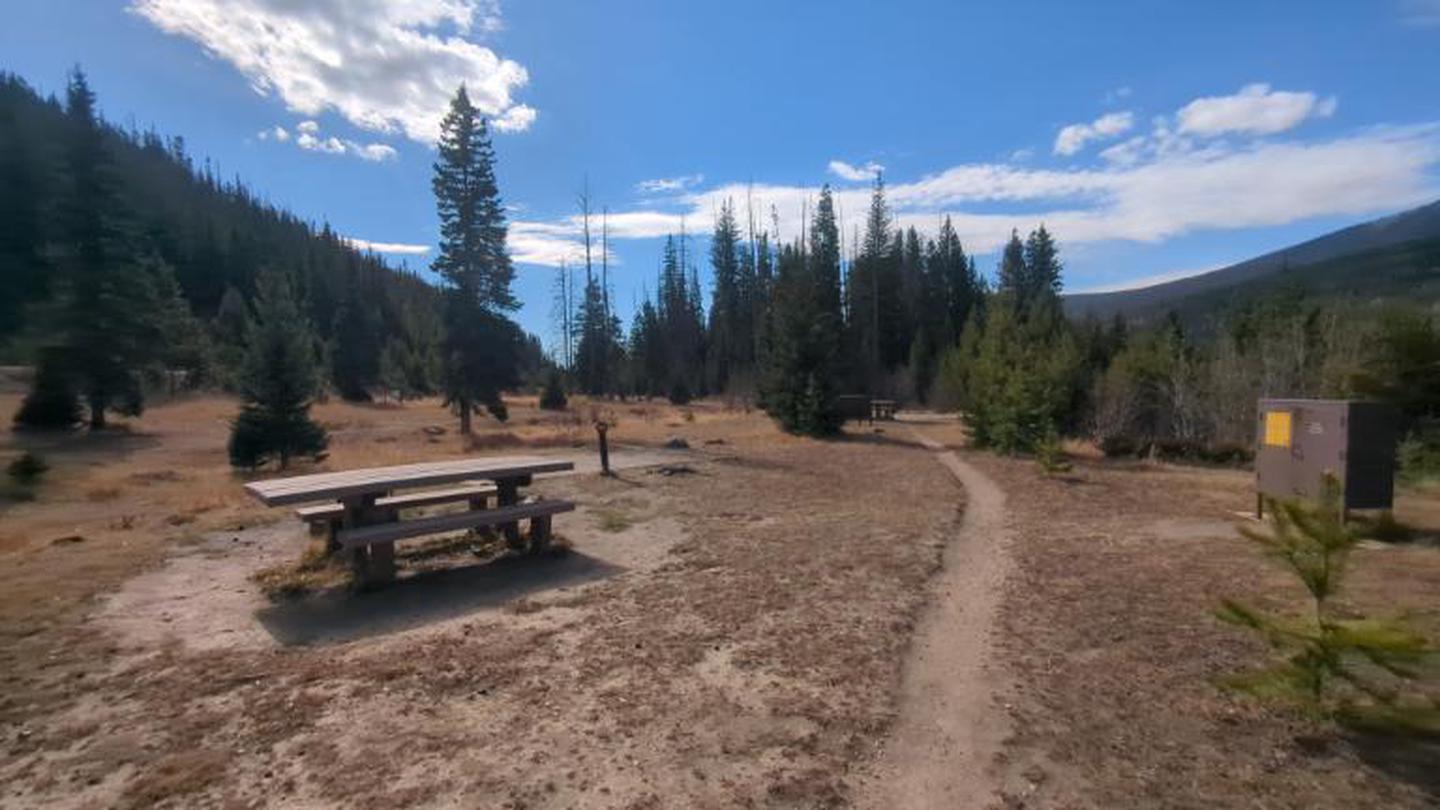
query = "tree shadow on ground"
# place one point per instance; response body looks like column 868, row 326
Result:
column 1414, row 760
column 426, row 597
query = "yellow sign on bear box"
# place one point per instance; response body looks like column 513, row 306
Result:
column 1277, row 428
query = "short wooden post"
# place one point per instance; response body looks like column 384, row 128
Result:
column 602, row 428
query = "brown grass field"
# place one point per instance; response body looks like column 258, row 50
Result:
column 731, row 635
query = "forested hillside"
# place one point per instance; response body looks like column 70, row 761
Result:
column 1394, row 257
column 214, row 237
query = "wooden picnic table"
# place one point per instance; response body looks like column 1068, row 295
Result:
column 369, row 531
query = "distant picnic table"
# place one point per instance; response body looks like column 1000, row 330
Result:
column 360, row 510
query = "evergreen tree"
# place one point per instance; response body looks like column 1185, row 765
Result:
column 22, row 235
column 354, row 349
column 278, row 383
column 647, row 352
column 481, row 350
column 1014, row 277
column 729, row 343
column 1042, row 265
column 100, row 330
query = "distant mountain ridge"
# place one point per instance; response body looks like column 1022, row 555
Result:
column 1407, row 243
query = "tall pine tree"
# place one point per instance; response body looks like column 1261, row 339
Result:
column 99, row 330
column 482, row 345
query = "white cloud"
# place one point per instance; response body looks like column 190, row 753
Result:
column 666, row 185
column 1117, row 95
column 373, row 151
column 389, row 66
column 1422, row 13
column 855, row 174
column 1074, row 137
column 308, row 137
column 1255, row 110
column 387, row 247
column 1161, row 191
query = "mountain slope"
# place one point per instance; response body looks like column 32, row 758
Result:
column 1362, row 259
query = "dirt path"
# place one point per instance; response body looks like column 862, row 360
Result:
column 950, row 725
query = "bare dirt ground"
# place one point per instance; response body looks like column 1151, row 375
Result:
column 951, row 727
column 1108, row 632
column 730, row 635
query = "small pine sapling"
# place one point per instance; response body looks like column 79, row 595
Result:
column 1050, row 454
column 1351, row 669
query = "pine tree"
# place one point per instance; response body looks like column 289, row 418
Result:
column 354, row 348
column 278, row 383
column 22, row 225
column 1042, row 265
column 804, row 328
column 1014, row 278
column 728, row 352
column 481, row 350
column 101, row 332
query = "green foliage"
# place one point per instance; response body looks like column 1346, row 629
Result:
column 679, row 393
column 1346, row 667
column 1018, row 384
column 1050, row 454
column 172, row 233
column 1419, row 454
column 52, row 403
column 354, row 353
column 482, row 347
column 553, row 397
column 26, row 469
column 802, row 370
column 278, row 384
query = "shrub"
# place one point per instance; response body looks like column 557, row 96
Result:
column 1419, row 455
column 553, row 397
column 679, row 393
column 1350, row 669
column 1050, row 454
column 52, row 403
column 26, row 469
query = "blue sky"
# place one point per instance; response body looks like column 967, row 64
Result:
column 1152, row 138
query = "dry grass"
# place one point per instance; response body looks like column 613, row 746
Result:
column 316, row 570
column 1109, row 629
column 704, row 677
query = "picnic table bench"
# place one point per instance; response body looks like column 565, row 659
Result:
column 360, row 510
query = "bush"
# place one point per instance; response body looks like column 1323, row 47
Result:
column 1419, row 455
column 679, row 393
column 553, row 397
column 261, row 435
column 27, row 469
column 52, row 403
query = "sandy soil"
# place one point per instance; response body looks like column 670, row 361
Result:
column 727, row 636
column 951, row 726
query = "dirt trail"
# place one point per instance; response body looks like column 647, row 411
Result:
column 950, row 725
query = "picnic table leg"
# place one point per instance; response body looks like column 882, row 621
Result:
column 539, row 533
column 507, row 491
column 381, row 565
column 357, row 514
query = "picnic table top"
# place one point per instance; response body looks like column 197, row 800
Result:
column 331, row 486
